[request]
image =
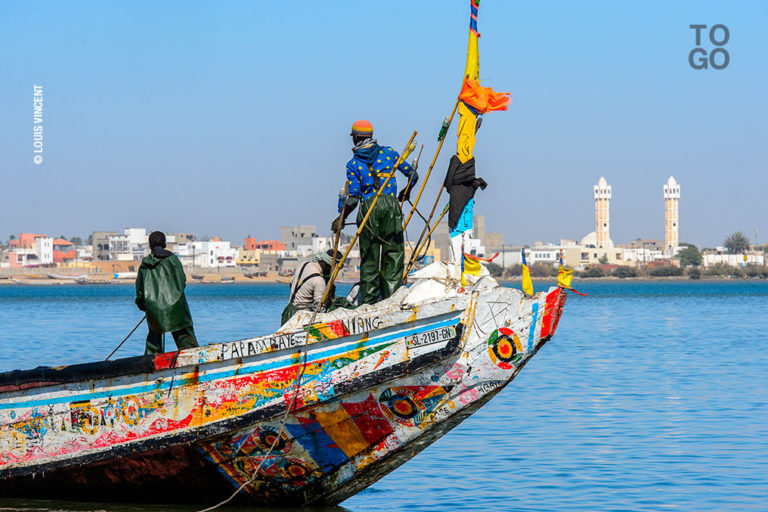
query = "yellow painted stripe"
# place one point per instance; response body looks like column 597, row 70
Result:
column 340, row 427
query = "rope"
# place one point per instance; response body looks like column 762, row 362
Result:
column 302, row 365
column 126, row 338
column 432, row 164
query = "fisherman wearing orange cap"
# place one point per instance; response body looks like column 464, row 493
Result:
column 381, row 242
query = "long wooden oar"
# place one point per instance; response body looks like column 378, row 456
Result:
column 297, row 382
column 431, row 165
column 407, row 151
column 341, row 216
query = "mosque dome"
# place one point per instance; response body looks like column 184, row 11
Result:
column 590, row 240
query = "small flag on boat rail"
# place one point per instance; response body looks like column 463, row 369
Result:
column 565, row 276
column 527, row 283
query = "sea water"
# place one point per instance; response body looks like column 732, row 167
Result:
column 651, row 395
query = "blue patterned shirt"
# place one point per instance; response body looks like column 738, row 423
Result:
column 360, row 175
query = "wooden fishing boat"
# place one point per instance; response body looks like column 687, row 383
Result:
column 375, row 386
column 311, row 414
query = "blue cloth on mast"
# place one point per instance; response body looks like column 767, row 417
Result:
column 465, row 219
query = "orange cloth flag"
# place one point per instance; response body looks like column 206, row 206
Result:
column 483, row 99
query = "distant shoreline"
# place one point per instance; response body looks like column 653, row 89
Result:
column 241, row 280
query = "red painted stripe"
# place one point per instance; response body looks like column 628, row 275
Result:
column 546, row 321
column 164, row 361
column 368, row 417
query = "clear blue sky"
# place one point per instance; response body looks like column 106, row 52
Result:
column 231, row 119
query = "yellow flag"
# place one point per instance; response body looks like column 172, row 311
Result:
column 564, row 276
column 471, row 266
column 527, row 283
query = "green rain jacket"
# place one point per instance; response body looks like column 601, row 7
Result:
column 160, row 291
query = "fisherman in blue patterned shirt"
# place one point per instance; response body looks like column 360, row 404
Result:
column 381, row 242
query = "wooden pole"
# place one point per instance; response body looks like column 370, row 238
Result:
column 341, row 218
column 431, row 165
column 409, row 147
column 415, row 166
column 420, row 247
column 429, row 219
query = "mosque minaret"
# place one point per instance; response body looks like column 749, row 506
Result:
column 602, row 214
column 671, row 205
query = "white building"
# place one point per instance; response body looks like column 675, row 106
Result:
column 44, row 250
column 734, row 260
column 321, row 244
column 474, row 247
column 118, row 248
column 136, row 236
column 38, row 253
column 132, row 245
column 641, row 255
column 209, row 254
column 542, row 253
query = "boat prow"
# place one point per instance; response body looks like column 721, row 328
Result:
column 377, row 385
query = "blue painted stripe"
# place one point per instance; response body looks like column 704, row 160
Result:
column 145, row 388
column 318, row 444
column 532, row 329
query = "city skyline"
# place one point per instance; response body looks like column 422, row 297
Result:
column 214, row 127
column 600, row 237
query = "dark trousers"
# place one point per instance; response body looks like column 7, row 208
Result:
column 381, row 249
column 184, row 338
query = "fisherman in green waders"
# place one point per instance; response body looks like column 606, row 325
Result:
column 381, row 241
column 160, row 292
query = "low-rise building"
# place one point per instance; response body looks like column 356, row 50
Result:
column 30, row 250
column 639, row 256
column 100, row 244
column 213, row 253
column 709, row 258
column 63, row 251
column 294, row 236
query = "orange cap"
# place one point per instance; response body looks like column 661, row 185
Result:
column 362, row 128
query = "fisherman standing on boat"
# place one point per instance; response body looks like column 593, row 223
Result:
column 309, row 284
column 160, row 292
column 381, row 242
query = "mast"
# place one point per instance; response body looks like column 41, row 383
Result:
column 465, row 144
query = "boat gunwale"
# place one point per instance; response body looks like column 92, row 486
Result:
column 261, row 414
column 43, row 376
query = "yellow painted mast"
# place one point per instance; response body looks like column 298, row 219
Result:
column 465, row 144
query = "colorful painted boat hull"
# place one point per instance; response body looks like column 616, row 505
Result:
column 379, row 384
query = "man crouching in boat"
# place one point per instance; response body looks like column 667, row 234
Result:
column 160, row 292
column 381, row 242
column 309, row 284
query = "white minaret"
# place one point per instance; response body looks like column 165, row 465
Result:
column 671, row 205
column 602, row 217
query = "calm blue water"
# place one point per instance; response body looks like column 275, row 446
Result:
column 650, row 396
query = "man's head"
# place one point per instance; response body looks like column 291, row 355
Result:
column 157, row 239
column 361, row 130
column 325, row 259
